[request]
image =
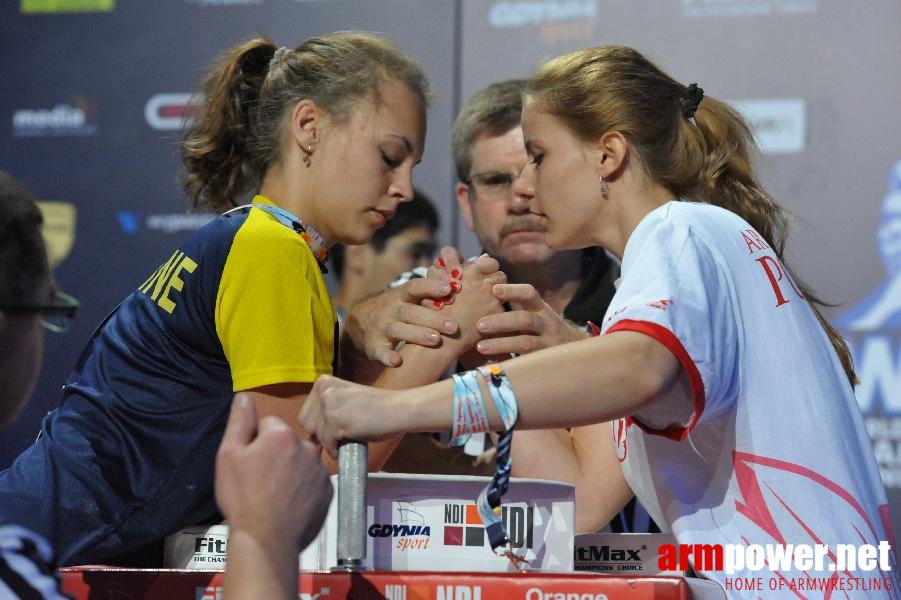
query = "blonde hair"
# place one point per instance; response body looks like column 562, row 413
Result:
column 235, row 138
column 709, row 158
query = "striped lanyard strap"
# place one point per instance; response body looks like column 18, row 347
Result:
column 309, row 235
column 489, row 500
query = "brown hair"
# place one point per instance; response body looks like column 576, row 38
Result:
column 613, row 88
column 494, row 110
column 235, row 138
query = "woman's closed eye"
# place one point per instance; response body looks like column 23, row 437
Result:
column 392, row 162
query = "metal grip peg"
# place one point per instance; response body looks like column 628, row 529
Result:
column 353, row 467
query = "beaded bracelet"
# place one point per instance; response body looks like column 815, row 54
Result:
column 498, row 385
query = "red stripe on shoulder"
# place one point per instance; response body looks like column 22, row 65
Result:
column 672, row 343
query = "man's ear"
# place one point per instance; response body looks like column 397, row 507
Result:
column 306, row 117
column 464, row 199
column 612, row 151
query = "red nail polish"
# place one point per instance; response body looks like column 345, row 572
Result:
column 455, row 273
column 437, row 303
column 440, row 262
column 454, row 286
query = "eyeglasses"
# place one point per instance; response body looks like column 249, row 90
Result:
column 56, row 316
column 492, row 184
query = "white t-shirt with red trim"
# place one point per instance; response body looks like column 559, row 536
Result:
column 771, row 447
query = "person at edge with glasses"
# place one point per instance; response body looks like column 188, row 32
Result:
column 29, row 303
column 323, row 140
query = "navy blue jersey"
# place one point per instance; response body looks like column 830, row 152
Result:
column 128, row 457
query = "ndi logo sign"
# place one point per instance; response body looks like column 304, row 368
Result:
column 463, row 526
column 459, row 592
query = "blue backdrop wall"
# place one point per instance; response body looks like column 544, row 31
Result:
column 94, row 92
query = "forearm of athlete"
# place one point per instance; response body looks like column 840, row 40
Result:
column 589, row 381
column 584, row 456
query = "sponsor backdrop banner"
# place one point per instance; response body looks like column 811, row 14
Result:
column 96, row 90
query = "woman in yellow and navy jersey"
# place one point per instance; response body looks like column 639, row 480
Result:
column 325, row 137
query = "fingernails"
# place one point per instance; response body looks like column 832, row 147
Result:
column 455, row 273
column 434, row 338
column 444, row 289
column 455, row 286
column 483, row 326
column 437, row 303
column 449, row 326
column 440, row 262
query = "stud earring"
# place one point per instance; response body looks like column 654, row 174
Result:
column 603, row 187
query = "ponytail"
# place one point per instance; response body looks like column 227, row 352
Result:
column 727, row 180
column 220, row 169
column 237, row 135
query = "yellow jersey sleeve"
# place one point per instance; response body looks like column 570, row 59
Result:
column 274, row 317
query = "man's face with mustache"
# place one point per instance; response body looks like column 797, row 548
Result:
column 500, row 218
